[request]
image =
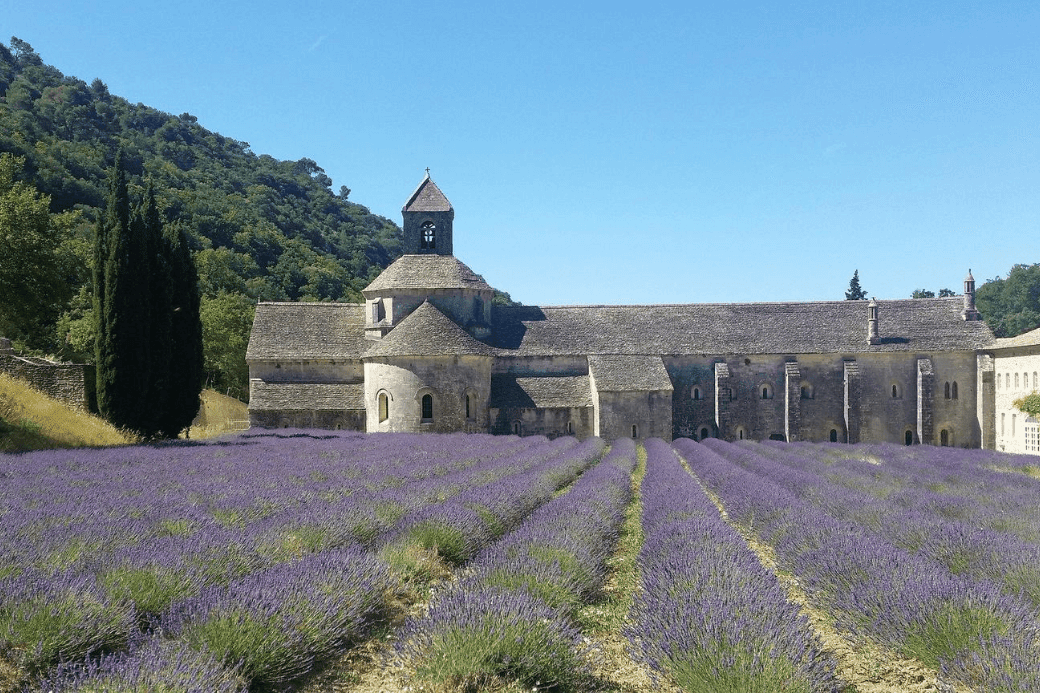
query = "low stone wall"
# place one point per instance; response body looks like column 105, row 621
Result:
column 71, row 383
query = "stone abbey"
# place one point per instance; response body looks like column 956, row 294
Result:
column 428, row 351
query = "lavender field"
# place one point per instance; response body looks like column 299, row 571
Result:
column 259, row 562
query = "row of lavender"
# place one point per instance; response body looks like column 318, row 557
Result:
column 969, row 628
column 230, row 590
column 977, row 522
column 511, row 616
column 709, row 615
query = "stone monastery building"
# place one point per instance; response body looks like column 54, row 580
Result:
column 427, row 351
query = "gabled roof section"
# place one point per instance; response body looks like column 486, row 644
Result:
column 427, row 198
column 428, row 332
column 548, row 392
column 824, row 327
column 307, row 331
column 629, row 373
column 428, row 272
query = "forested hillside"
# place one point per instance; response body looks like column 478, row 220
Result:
column 261, row 228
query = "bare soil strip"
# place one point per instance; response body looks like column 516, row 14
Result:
column 865, row 666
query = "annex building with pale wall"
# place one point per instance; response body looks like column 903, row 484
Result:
column 428, row 351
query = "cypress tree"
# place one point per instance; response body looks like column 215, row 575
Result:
column 146, row 314
column 185, row 368
column 159, row 292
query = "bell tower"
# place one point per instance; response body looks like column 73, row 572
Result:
column 428, row 217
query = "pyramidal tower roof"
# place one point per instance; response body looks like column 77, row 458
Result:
column 427, row 198
column 428, row 332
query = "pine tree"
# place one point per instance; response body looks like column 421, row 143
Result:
column 855, row 292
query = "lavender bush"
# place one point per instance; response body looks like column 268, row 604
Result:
column 509, row 618
column 872, row 587
column 158, row 666
column 274, row 624
column 709, row 615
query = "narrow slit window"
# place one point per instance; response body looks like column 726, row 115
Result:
column 384, row 407
column 955, row 389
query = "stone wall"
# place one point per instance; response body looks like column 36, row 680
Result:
column 71, row 383
column 336, row 420
column 551, row 422
column 823, row 397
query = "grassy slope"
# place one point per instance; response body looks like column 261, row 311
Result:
column 30, row 420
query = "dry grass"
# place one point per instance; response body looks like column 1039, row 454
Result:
column 219, row 414
column 32, row 421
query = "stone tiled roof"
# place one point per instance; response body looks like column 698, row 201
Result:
column 543, row 392
column 305, row 396
column 427, row 272
column 307, row 331
column 629, row 373
column 1031, row 338
column 428, row 332
column 427, row 198
column 736, row 328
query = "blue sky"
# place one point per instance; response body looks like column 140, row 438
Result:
column 609, row 153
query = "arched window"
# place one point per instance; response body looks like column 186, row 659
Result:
column 635, row 431
column 767, row 392
column 895, row 391
column 468, row 414
column 696, row 393
column 384, row 407
column 516, row 428
column 955, row 389
column 704, row 433
column 908, row 437
column 806, row 391
column 427, row 407
column 740, row 433
column 834, row 435
column 570, row 428
column 1016, row 381
column 947, row 390
column 429, row 236
column 944, row 438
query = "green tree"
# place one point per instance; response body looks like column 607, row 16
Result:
column 855, row 292
column 946, row 293
column 226, row 322
column 31, row 280
column 1011, row 306
column 1030, row 404
column 922, row 293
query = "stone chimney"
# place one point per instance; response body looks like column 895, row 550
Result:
column 969, row 313
column 873, row 333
